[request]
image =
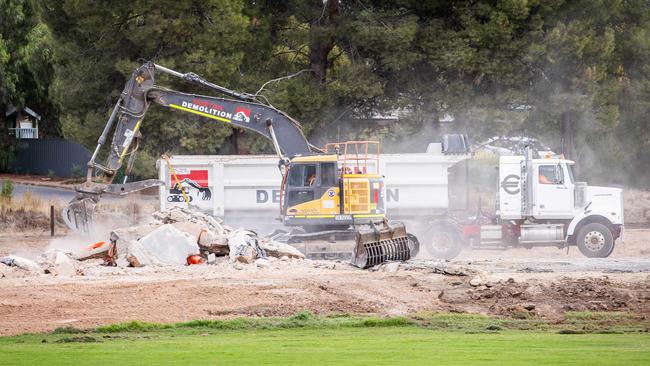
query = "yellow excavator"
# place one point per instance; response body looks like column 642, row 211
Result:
column 331, row 188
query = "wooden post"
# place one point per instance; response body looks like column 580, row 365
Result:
column 135, row 214
column 52, row 220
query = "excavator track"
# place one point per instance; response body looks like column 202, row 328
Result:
column 373, row 244
column 325, row 244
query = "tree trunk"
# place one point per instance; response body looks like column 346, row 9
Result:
column 6, row 150
column 4, row 129
column 322, row 36
column 234, row 140
column 3, row 110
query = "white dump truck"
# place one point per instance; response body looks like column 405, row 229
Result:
column 245, row 189
column 539, row 203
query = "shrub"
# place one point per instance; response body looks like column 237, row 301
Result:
column 7, row 189
column 76, row 171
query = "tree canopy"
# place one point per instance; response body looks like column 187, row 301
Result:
column 572, row 73
column 25, row 67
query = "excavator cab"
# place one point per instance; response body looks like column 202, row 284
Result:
column 312, row 189
column 338, row 188
column 341, row 188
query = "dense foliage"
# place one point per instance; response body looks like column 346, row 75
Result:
column 572, row 73
column 25, row 68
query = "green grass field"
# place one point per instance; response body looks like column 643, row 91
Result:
column 449, row 339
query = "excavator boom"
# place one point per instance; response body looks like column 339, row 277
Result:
column 243, row 111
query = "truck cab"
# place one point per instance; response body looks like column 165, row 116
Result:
column 542, row 202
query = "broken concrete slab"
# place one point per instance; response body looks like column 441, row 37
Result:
column 244, row 246
column 64, row 266
column 244, row 254
column 122, row 238
column 181, row 214
column 166, row 245
column 129, row 233
column 262, row 263
column 97, row 250
column 279, row 250
column 13, row 272
column 190, row 228
column 208, row 237
column 137, row 256
column 212, row 242
column 390, row 267
column 22, row 263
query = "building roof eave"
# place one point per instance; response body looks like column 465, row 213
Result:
column 11, row 109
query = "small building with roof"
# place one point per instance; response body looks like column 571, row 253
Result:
column 23, row 122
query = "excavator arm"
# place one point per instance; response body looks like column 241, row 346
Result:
column 268, row 122
column 239, row 110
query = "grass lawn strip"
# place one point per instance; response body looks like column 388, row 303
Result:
column 583, row 338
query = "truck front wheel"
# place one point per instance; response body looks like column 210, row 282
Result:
column 595, row 240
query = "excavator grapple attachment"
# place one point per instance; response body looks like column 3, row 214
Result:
column 78, row 214
column 382, row 242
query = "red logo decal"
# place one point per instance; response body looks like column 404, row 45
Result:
column 242, row 114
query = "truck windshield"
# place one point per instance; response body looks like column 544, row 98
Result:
column 569, row 168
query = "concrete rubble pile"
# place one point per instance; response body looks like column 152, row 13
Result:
column 176, row 237
column 54, row 262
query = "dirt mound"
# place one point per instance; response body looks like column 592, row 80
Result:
column 549, row 299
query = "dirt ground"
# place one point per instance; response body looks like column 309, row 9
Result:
column 543, row 282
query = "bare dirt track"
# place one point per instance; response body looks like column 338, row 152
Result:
column 541, row 282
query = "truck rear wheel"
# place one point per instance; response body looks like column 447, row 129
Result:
column 442, row 242
column 595, row 240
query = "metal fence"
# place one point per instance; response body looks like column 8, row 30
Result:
column 61, row 157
